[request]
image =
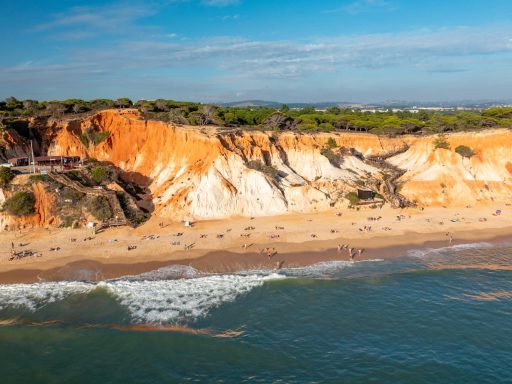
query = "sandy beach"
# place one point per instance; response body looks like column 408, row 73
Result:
column 242, row 243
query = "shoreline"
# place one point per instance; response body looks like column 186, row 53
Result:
column 228, row 261
column 234, row 244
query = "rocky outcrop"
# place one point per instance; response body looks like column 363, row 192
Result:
column 44, row 209
column 442, row 177
column 119, row 217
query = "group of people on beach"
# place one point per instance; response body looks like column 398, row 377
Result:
column 23, row 253
column 351, row 251
column 271, row 252
column 246, row 233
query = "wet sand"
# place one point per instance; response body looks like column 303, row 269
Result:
column 218, row 262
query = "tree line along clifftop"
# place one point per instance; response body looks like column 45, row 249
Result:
column 306, row 119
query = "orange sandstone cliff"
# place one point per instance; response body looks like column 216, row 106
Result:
column 197, row 173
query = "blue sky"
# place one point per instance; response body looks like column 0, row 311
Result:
column 288, row 51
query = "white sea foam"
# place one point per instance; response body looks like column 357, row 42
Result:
column 317, row 270
column 148, row 301
column 167, row 301
column 166, row 295
column 35, row 296
column 171, row 272
column 458, row 247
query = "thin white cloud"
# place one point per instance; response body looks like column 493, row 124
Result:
column 442, row 51
column 103, row 18
column 220, row 3
column 118, row 18
column 230, row 17
column 290, row 58
column 295, row 58
column 361, row 6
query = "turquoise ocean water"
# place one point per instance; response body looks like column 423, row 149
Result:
column 420, row 318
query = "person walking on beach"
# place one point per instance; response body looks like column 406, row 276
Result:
column 279, row 265
column 450, row 239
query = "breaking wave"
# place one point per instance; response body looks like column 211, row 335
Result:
column 37, row 295
column 148, row 301
column 168, row 301
column 168, row 295
column 314, row 271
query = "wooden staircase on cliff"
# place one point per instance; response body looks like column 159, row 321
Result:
column 119, row 218
column 391, row 174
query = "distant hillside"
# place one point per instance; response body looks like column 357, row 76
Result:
column 251, row 103
column 275, row 104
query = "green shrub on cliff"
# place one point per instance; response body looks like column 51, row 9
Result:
column 39, row 178
column 465, row 151
column 20, row 204
column 331, row 143
column 266, row 169
column 99, row 173
column 441, row 143
column 352, row 198
column 99, row 207
column 6, row 175
column 90, row 136
column 333, row 157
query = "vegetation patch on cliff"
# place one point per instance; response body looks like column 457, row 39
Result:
column 465, row 151
column 93, row 174
column 99, row 173
column 133, row 213
column 99, row 207
column 91, row 136
column 6, row 175
column 39, row 179
column 441, row 143
column 334, row 158
column 352, row 198
column 258, row 165
column 20, row 204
